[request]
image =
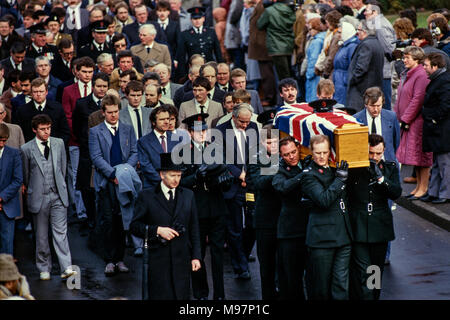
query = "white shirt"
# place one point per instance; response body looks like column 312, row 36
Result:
column 40, row 104
column 377, row 123
column 199, row 146
column 166, row 189
column 96, row 100
column 134, row 119
column 205, row 109
column 223, row 87
column 81, row 88
column 149, row 45
column 109, row 126
column 77, row 17
column 27, row 99
column 36, row 47
column 41, row 146
column 198, row 30
column 19, row 66
column 2, row 85
column 1, row 152
column 158, row 135
column 239, row 136
column 14, row 94
column 163, row 24
column 98, row 44
column 167, row 87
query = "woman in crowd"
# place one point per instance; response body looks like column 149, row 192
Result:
column 410, row 97
column 312, row 53
column 349, row 42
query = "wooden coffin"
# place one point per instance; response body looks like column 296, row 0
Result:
column 351, row 143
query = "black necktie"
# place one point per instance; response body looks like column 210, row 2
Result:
column 114, row 128
column 46, row 149
column 40, row 50
column 170, row 195
column 138, row 119
column 148, row 50
column 374, row 127
column 163, row 143
column 100, row 48
column 17, row 66
column 202, row 109
column 40, row 109
column 164, row 91
column 225, row 89
column 99, row 103
column 209, row 95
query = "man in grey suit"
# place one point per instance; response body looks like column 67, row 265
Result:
column 134, row 114
column 111, row 143
column 168, row 88
column 76, row 17
column 44, row 176
column 149, row 49
column 201, row 103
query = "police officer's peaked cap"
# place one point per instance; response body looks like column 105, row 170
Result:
column 193, row 122
column 99, row 26
column 38, row 28
column 266, row 117
column 52, row 18
column 323, row 105
column 197, row 12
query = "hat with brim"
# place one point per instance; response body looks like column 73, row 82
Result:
column 167, row 163
column 197, row 121
column 323, row 105
column 197, row 12
column 38, row 28
column 51, row 18
column 266, row 117
column 100, row 26
column 8, row 269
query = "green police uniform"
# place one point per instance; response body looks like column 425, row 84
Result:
column 372, row 224
column 291, row 231
column 328, row 234
column 267, row 210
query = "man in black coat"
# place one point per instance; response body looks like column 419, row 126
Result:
column 98, row 45
column 132, row 29
column 369, row 191
column 170, row 213
column 329, row 233
column 38, row 105
column 203, row 180
column 236, row 147
column 436, row 127
column 83, row 108
column 170, row 27
column 61, row 64
column 291, row 227
column 366, row 67
column 17, row 60
column 267, row 208
column 39, row 45
column 8, row 35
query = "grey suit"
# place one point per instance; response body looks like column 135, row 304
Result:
column 125, row 117
column 188, row 109
column 173, row 88
column 47, row 199
column 159, row 52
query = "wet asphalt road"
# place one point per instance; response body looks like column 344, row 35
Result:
column 420, row 268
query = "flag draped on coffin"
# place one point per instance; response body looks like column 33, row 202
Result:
column 300, row 122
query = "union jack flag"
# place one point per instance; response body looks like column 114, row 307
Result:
column 300, row 122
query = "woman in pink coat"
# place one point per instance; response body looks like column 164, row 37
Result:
column 408, row 107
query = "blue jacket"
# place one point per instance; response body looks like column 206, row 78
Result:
column 127, row 191
column 149, row 150
column 341, row 63
column 100, row 147
column 53, row 84
column 312, row 53
column 11, row 179
column 390, row 130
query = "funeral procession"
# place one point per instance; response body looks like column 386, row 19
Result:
column 245, row 152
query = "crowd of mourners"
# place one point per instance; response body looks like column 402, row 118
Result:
column 101, row 99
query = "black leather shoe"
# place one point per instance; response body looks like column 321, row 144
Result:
column 439, row 201
column 409, row 196
column 427, row 198
column 414, row 198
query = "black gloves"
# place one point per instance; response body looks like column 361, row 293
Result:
column 375, row 171
column 225, row 181
column 342, row 171
column 200, row 174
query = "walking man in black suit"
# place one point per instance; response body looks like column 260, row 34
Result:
column 170, row 214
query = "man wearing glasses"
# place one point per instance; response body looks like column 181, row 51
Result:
column 62, row 64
